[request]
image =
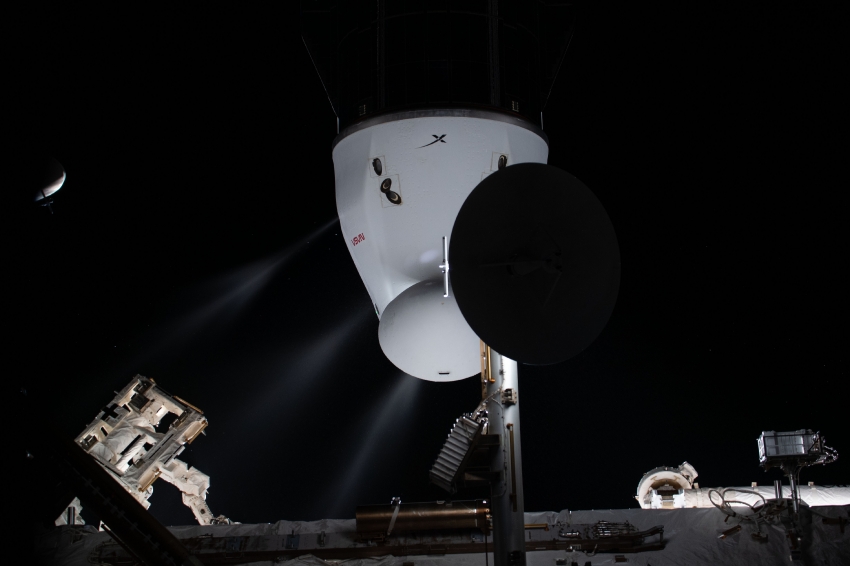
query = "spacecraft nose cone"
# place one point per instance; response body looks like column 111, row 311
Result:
column 535, row 263
column 423, row 334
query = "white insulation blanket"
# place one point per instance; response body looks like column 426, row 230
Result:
column 691, row 537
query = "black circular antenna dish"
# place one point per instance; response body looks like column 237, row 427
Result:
column 535, row 265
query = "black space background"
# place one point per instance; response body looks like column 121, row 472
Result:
column 197, row 146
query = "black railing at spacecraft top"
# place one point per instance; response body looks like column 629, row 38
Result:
column 374, row 57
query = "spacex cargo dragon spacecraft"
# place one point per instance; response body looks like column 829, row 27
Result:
column 401, row 179
column 476, row 254
column 432, row 103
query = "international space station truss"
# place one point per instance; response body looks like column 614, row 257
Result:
column 123, row 438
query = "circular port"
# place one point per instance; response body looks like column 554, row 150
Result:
column 377, row 166
column 503, row 160
column 393, row 197
column 386, row 184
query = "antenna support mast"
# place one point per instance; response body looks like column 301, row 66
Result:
column 500, row 398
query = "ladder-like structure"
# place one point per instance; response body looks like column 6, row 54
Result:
column 456, row 452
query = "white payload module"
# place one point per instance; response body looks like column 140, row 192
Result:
column 123, row 439
column 664, row 487
column 401, row 179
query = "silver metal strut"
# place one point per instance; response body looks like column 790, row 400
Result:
column 500, row 398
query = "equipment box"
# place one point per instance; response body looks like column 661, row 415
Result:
column 795, row 444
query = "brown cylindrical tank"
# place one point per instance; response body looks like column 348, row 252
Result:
column 423, row 516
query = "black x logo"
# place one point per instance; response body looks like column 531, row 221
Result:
column 439, row 139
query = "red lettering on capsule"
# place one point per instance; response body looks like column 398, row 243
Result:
column 358, row 238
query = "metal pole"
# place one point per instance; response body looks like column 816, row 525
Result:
column 794, row 500
column 777, row 488
column 501, row 395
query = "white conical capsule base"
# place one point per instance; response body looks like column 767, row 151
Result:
column 424, row 334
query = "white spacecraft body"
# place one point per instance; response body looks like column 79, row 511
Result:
column 432, row 159
column 123, row 439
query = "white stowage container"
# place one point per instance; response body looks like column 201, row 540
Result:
column 431, row 159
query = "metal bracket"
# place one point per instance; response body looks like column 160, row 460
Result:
column 510, row 428
column 397, row 503
column 445, row 267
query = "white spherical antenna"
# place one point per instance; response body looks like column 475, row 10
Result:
column 423, row 334
column 51, row 180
